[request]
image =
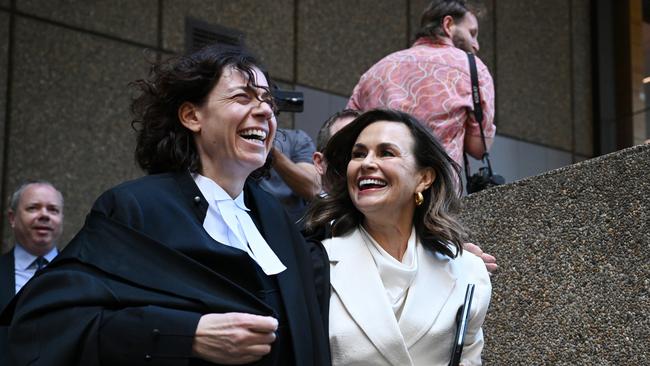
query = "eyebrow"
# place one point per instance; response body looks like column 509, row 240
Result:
column 237, row 87
column 383, row 145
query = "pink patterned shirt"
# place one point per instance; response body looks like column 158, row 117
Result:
column 430, row 81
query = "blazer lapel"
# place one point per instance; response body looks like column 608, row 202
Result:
column 355, row 279
column 427, row 296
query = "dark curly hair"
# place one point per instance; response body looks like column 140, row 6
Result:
column 163, row 143
column 431, row 19
column 434, row 221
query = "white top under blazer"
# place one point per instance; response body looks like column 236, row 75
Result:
column 363, row 327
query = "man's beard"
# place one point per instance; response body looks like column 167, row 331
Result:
column 460, row 42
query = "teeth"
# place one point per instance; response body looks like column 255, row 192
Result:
column 253, row 133
column 374, row 182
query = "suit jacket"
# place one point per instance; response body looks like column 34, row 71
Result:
column 363, row 328
column 132, row 285
column 7, row 292
column 7, row 278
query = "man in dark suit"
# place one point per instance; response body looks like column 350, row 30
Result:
column 36, row 219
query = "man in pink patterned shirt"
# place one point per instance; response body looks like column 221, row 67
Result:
column 431, row 80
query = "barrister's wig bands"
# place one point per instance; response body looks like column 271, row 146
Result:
column 434, row 221
column 163, row 143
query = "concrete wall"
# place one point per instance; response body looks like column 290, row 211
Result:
column 573, row 246
column 68, row 118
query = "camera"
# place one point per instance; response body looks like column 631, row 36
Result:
column 288, row 100
column 483, row 179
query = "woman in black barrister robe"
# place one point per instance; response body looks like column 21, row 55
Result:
column 193, row 263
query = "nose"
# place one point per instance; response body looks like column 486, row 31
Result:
column 369, row 162
column 263, row 109
column 475, row 45
column 43, row 215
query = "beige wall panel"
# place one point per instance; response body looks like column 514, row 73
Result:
column 70, row 122
column 4, row 44
column 268, row 27
column 534, row 71
column 338, row 40
column 416, row 8
column 582, row 80
column 135, row 20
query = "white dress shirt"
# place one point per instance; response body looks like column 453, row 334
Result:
column 228, row 222
column 25, row 264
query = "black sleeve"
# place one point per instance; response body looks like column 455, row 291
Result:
column 321, row 267
column 149, row 335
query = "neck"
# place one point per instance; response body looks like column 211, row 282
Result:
column 391, row 235
column 231, row 183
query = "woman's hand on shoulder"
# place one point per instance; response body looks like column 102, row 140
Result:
column 234, row 338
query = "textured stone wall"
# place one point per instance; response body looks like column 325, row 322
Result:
column 573, row 246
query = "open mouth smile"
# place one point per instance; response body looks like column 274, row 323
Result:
column 254, row 135
column 370, row 183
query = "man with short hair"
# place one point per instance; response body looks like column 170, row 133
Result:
column 331, row 126
column 431, row 80
column 36, row 219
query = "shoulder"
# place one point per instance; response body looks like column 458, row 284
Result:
column 469, row 268
column 296, row 134
column 133, row 194
column 7, row 257
column 144, row 183
column 338, row 246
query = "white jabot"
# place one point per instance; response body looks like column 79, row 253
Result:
column 396, row 276
column 25, row 264
column 228, row 223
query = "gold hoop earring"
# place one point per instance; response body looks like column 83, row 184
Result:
column 419, row 198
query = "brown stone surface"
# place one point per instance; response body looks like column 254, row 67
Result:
column 534, row 71
column 339, row 40
column 70, row 121
column 573, row 246
column 133, row 20
column 268, row 27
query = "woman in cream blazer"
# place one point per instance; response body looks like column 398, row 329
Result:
column 397, row 271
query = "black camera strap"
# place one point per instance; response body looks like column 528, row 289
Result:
column 478, row 115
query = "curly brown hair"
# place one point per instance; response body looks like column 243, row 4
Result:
column 163, row 143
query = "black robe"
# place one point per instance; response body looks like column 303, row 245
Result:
column 131, row 286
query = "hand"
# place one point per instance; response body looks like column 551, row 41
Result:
column 233, row 338
column 490, row 261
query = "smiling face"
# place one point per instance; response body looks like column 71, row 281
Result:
column 234, row 127
column 37, row 220
column 382, row 175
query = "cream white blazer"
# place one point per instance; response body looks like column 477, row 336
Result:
column 363, row 329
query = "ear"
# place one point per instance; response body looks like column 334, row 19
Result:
column 188, row 114
column 319, row 162
column 12, row 218
column 427, row 177
column 448, row 25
